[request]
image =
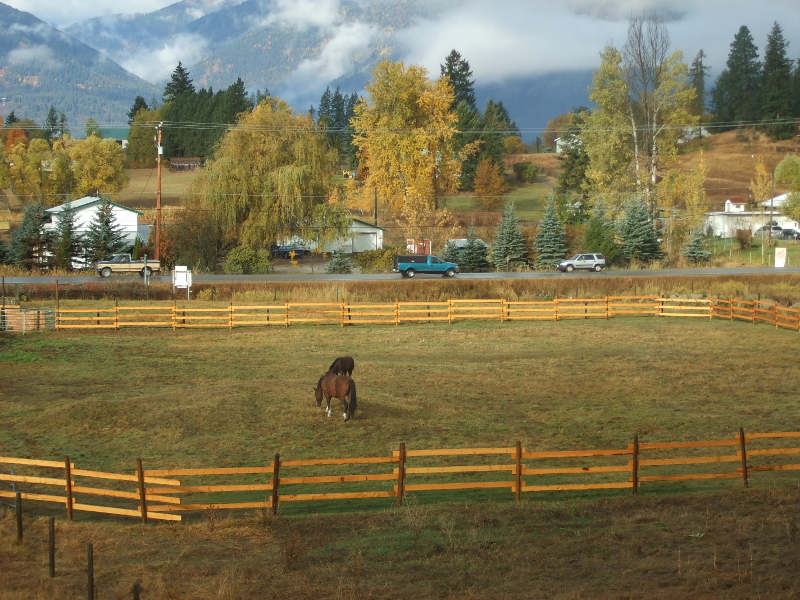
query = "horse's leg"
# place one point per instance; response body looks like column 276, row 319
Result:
column 346, row 407
column 328, row 406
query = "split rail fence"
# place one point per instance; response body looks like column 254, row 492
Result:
column 164, row 494
column 449, row 311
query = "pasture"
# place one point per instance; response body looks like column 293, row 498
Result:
column 219, row 398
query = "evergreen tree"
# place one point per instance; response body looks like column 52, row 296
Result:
column 796, row 90
column 549, row 242
column 62, row 126
column 180, row 83
column 11, row 119
column 735, row 96
column 105, row 236
column 460, row 74
column 451, row 253
column 4, row 253
column 508, row 249
column 51, row 124
column 776, row 85
column 473, row 256
column 598, row 236
column 695, row 250
column 637, row 233
column 576, row 159
column 469, row 125
column 92, row 128
column 697, row 79
column 30, row 241
column 67, row 242
column 138, row 104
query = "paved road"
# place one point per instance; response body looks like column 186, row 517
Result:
column 308, row 276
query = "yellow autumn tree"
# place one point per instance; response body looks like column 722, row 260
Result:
column 404, row 132
column 490, row 185
column 98, row 167
column 682, row 203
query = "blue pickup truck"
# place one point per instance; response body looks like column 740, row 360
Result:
column 408, row 265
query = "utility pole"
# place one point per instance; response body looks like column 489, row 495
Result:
column 160, row 151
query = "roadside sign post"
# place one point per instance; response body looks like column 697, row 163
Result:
column 182, row 278
column 780, row 258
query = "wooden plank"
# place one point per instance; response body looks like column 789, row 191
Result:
column 708, row 444
column 125, row 512
column 194, row 489
column 420, row 487
column 33, row 462
column 577, row 486
column 577, row 453
column 461, row 469
column 577, row 470
column 375, row 460
column 688, row 460
column 120, row 494
column 31, row 496
column 122, row 477
column 149, row 473
column 774, row 452
column 794, row 467
column 690, row 476
column 337, row 478
column 336, row 496
column 32, row 479
column 459, row 451
column 226, row 505
column 761, row 436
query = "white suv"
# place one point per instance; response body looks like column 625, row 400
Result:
column 593, row 262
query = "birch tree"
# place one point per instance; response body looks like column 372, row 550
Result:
column 644, row 101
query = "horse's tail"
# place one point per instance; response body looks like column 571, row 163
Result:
column 352, row 398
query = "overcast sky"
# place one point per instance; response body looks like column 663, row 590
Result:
column 506, row 38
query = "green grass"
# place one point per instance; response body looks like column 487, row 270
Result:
column 761, row 253
column 529, row 202
column 140, row 191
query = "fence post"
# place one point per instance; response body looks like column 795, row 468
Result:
column 401, row 473
column 52, row 546
column 743, row 455
column 396, row 313
column 116, row 314
column 142, row 495
column 18, row 512
column 89, row 571
column 503, row 309
column 606, row 307
column 555, row 306
column 230, row 316
column 287, row 313
column 341, row 315
column 635, row 463
column 276, row 470
column 518, row 469
column 68, row 477
column 449, row 311
column 174, row 313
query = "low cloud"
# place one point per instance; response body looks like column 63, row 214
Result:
column 302, row 14
column 33, row 55
column 336, row 58
column 156, row 65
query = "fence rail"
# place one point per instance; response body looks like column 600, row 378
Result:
column 164, row 494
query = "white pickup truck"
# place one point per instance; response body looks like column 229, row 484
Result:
column 122, row 263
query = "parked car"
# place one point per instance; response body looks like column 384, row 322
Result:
column 765, row 230
column 285, row 251
column 408, row 265
column 122, row 263
column 790, row 234
column 592, row 262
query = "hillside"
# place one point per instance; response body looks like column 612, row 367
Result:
column 42, row 66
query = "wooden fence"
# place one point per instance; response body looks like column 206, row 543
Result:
column 159, row 494
column 449, row 311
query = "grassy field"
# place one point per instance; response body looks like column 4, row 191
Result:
column 215, row 398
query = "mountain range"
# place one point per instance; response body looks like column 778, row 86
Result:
column 97, row 67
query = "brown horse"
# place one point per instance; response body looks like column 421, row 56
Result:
column 337, row 386
column 343, row 365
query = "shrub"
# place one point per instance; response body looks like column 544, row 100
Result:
column 375, row 261
column 525, row 172
column 245, row 260
column 745, row 238
column 339, row 264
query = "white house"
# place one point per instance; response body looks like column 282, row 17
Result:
column 360, row 237
column 85, row 210
column 734, row 216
